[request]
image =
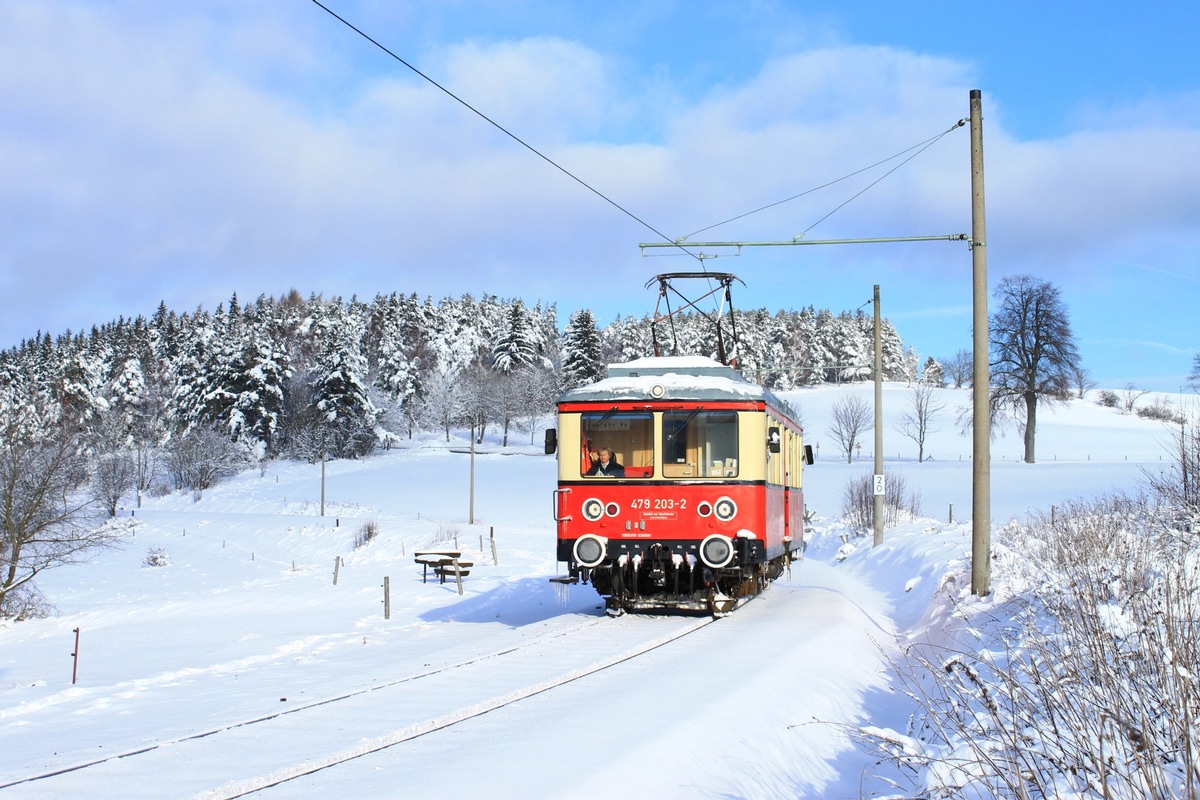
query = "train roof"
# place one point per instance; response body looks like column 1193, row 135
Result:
column 678, row 378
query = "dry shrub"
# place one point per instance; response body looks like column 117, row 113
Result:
column 899, row 503
column 366, row 534
column 24, row 602
column 1086, row 687
column 447, row 532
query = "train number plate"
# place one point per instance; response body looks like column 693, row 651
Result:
column 652, row 506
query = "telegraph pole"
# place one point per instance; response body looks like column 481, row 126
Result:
column 471, row 513
column 981, row 500
column 878, row 484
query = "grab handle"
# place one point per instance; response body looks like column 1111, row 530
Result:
column 555, row 505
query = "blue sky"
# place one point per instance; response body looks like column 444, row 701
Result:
column 183, row 152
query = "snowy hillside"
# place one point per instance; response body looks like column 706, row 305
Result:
column 240, row 665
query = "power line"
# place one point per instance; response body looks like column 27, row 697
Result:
column 925, row 145
column 875, row 182
column 510, row 134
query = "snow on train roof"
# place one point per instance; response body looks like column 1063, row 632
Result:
column 669, row 378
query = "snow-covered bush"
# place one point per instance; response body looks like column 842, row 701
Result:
column 366, row 534
column 24, row 602
column 899, row 503
column 1160, row 410
column 1177, row 486
column 447, row 532
column 157, row 557
column 1083, row 686
column 198, row 459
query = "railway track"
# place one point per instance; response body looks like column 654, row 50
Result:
column 251, row 755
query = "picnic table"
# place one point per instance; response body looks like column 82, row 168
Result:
column 445, row 563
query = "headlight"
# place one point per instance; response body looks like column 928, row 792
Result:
column 725, row 509
column 716, row 551
column 593, row 509
column 590, row 550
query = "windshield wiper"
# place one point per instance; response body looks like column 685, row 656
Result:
column 686, row 421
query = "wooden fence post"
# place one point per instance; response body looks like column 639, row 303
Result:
column 75, row 657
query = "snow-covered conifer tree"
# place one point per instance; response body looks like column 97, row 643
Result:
column 520, row 343
column 396, row 343
column 345, row 414
column 260, row 374
column 78, row 389
column 582, row 360
column 850, row 347
column 932, row 373
column 899, row 363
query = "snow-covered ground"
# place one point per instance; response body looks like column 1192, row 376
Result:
column 240, row 664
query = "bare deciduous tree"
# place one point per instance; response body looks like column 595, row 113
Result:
column 202, row 456
column 916, row 422
column 113, row 474
column 44, row 520
column 1034, row 356
column 536, row 391
column 959, row 368
column 441, row 404
column 851, row 418
column 483, row 395
column 1129, row 397
column 1083, row 381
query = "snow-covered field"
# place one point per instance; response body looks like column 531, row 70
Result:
column 240, row 665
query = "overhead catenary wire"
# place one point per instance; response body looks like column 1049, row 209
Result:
column 873, row 183
column 679, row 243
column 508, row 133
column 920, row 147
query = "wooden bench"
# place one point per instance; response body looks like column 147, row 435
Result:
column 437, row 559
column 444, row 571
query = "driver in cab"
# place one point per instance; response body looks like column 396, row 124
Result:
column 606, row 466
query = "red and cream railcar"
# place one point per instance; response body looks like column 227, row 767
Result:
column 706, row 504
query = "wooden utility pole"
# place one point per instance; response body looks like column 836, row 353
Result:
column 878, row 484
column 981, row 500
column 471, row 512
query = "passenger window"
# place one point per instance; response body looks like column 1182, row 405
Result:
column 700, row 444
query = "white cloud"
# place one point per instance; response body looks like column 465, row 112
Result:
column 185, row 152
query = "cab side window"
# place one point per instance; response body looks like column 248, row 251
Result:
column 700, row 444
column 616, row 445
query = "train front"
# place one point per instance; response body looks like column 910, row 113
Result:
column 678, row 486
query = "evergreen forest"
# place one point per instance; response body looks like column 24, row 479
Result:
column 177, row 400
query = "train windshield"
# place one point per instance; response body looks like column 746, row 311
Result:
column 700, row 444
column 617, row 445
